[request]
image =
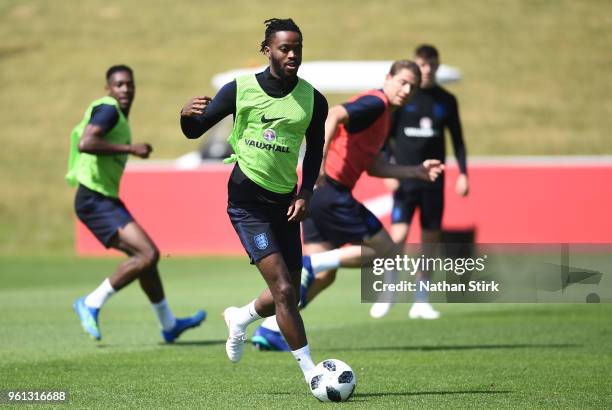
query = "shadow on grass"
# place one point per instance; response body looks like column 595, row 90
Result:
column 428, row 393
column 363, row 396
column 460, row 347
column 195, row 343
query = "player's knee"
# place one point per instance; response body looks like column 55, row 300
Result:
column 148, row 258
column 394, row 248
column 284, row 296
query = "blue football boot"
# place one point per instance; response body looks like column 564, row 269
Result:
column 266, row 339
column 88, row 317
column 183, row 324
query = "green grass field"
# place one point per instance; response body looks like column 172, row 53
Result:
column 487, row 356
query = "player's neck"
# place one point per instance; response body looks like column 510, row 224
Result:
column 281, row 78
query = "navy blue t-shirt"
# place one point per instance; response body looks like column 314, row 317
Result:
column 417, row 131
column 104, row 116
column 363, row 112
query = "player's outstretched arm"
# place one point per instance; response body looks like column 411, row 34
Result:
column 337, row 115
column 195, row 107
column 462, row 186
column 429, row 170
column 201, row 113
column 93, row 142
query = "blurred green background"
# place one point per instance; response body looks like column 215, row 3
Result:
column 537, row 77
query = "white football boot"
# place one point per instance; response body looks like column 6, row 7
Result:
column 379, row 309
column 236, row 336
column 423, row 310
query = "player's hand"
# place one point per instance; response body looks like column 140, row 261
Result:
column 392, row 184
column 320, row 180
column 431, row 169
column 196, row 106
column 298, row 209
column 462, row 187
column 141, row 150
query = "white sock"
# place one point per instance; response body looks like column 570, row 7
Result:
column 164, row 314
column 325, row 260
column 98, row 297
column 304, row 360
column 246, row 315
column 270, row 324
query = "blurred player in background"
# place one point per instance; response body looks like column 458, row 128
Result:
column 355, row 133
column 418, row 133
column 273, row 112
column 100, row 145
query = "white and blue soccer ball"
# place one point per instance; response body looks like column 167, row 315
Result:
column 332, row 380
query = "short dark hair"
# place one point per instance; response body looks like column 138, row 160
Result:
column 426, row 52
column 273, row 25
column 400, row 65
column 117, row 68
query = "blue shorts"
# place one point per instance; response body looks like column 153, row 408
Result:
column 337, row 217
column 430, row 202
column 101, row 214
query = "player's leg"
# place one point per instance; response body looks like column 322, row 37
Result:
column 113, row 225
column 404, row 205
column 103, row 216
column 431, row 207
column 337, row 218
column 322, row 257
column 274, row 246
column 372, row 241
column 323, row 278
column 268, row 335
column 291, row 325
column 280, row 299
column 399, row 232
column 143, row 257
column 141, row 263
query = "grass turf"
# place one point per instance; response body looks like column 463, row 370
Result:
column 493, row 356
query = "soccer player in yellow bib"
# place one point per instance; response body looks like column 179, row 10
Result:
column 273, row 112
column 100, row 145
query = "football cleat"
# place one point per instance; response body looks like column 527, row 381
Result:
column 422, row 310
column 379, row 309
column 88, row 317
column 266, row 339
column 236, row 337
column 183, row 324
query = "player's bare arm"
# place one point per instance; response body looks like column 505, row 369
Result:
column 462, row 186
column 337, row 115
column 429, row 170
column 93, row 142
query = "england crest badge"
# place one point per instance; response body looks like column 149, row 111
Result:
column 261, row 241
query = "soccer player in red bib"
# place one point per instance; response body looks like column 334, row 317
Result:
column 355, row 133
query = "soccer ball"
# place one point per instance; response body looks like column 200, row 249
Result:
column 332, row 380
